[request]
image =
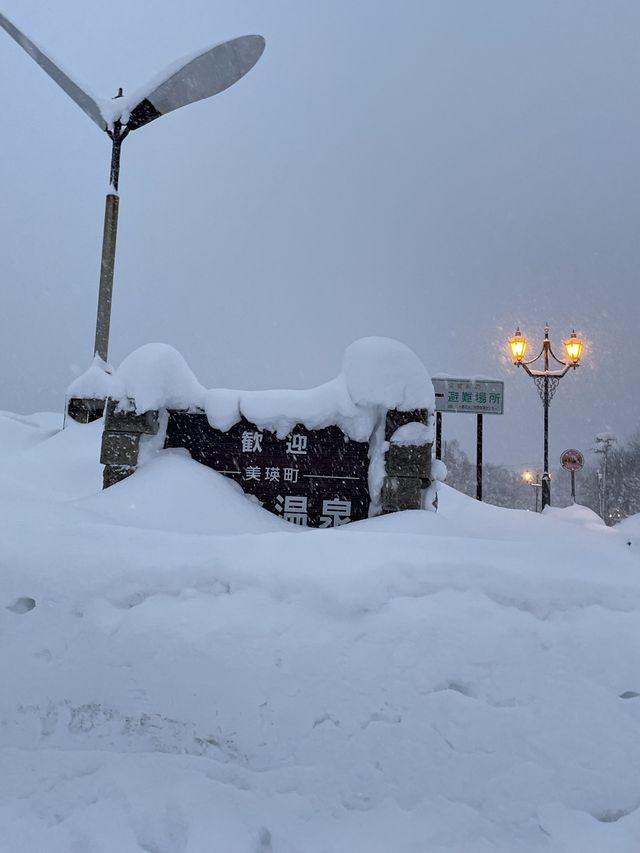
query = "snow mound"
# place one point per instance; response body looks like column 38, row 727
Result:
column 384, row 372
column 95, row 383
column 187, row 673
column 19, row 432
column 629, row 528
column 173, row 493
column 157, row 376
column 576, row 514
column 630, row 525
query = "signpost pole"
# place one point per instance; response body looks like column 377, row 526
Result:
column 471, row 396
column 438, row 435
column 479, row 458
column 572, row 461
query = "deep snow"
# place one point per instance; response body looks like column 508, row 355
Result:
column 196, row 675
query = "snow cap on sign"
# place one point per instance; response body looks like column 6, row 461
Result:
column 156, row 375
column 96, row 382
column 412, row 434
column 385, row 372
column 222, row 406
column 377, row 373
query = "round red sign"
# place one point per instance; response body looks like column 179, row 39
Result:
column 572, row 460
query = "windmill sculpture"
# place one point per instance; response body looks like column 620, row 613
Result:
column 204, row 74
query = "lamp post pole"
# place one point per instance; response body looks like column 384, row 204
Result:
column 546, row 480
column 547, row 381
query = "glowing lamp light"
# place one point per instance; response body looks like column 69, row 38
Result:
column 573, row 346
column 518, row 344
column 527, row 475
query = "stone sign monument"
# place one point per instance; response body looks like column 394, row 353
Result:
column 332, row 462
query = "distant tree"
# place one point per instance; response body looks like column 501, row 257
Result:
column 502, row 486
column 610, row 484
column 460, row 471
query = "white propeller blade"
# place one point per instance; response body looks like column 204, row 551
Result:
column 82, row 99
column 206, row 74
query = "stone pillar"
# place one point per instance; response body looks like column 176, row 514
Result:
column 123, row 429
column 407, row 467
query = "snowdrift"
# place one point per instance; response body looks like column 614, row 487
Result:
column 185, row 673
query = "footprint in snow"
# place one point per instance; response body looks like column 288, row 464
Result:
column 22, row 605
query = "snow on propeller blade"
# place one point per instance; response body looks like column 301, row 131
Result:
column 202, row 76
column 207, row 73
column 82, row 99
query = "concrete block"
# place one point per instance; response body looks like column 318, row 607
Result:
column 85, row 410
column 404, row 460
column 122, row 421
column 396, row 419
column 400, row 493
column 119, row 448
column 113, row 474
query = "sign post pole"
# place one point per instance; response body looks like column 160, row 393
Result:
column 469, row 396
column 479, row 457
column 572, row 461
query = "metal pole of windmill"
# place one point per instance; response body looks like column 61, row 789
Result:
column 109, row 237
column 205, row 74
column 107, row 268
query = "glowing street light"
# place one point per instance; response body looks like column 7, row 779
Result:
column 518, row 344
column 573, row 346
column 533, row 480
column 547, row 381
column 202, row 75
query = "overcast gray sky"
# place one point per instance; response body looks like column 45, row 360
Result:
column 431, row 171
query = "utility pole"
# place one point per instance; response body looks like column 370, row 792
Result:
column 604, row 443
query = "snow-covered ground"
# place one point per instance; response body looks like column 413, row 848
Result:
column 184, row 673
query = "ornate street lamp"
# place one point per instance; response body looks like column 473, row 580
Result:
column 547, row 381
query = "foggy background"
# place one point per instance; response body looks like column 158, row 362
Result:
column 436, row 172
